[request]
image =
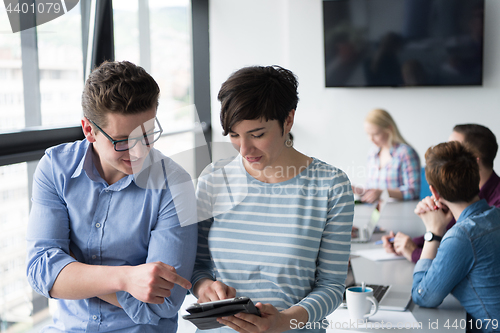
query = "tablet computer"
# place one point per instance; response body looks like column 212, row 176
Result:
column 204, row 315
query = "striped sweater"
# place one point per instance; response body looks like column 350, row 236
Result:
column 286, row 243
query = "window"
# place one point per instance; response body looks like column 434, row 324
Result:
column 11, row 78
column 61, row 71
column 15, row 292
column 155, row 34
column 126, row 30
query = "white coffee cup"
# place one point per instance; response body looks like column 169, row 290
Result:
column 360, row 302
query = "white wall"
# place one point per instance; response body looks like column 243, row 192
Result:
column 329, row 122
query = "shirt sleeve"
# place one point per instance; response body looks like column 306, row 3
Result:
column 172, row 242
column 410, row 169
column 333, row 256
column 419, row 242
column 204, row 266
column 434, row 279
column 48, row 234
column 415, row 255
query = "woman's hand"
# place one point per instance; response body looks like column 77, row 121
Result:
column 271, row 321
column 371, row 195
column 435, row 215
column 208, row 290
column 436, row 221
column 429, row 204
column 359, row 190
column 354, row 232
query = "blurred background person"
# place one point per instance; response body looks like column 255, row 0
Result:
column 466, row 260
column 483, row 144
column 393, row 165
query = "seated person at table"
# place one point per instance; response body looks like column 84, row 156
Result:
column 483, row 144
column 393, row 165
column 466, row 261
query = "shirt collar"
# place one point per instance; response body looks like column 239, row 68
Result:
column 490, row 186
column 475, row 208
column 87, row 165
column 391, row 150
column 394, row 147
column 82, row 165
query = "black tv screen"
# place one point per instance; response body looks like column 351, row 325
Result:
column 399, row 43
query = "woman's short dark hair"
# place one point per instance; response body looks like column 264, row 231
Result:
column 453, row 171
column 480, row 140
column 258, row 92
column 118, row 87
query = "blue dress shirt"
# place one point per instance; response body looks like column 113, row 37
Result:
column 467, row 265
column 125, row 223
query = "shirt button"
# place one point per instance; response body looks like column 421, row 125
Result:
column 420, row 291
column 97, row 225
column 94, row 256
column 94, row 317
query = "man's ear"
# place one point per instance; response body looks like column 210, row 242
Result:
column 434, row 192
column 480, row 163
column 88, row 131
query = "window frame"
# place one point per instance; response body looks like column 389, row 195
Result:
column 29, row 144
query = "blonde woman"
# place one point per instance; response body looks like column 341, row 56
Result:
column 393, row 165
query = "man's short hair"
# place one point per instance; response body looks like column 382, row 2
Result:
column 118, row 87
column 258, row 92
column 480, row 140
column 453, row 171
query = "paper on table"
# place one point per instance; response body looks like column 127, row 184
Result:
column 377, row 255
column 339, row 319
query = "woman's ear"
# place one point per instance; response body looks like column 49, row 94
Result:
column 289, row 121
column 88, row 131
column 435, row 194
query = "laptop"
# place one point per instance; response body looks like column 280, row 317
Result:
column 400, row 216
column 389, row 297
column 366, row 218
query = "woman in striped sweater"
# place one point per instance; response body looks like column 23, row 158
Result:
column 276, row 223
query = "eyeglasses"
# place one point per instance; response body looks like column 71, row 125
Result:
column 146, row 139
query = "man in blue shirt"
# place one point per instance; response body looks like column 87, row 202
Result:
column 108, row 237
column 466, row 261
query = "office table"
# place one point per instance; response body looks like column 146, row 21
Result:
column 387, row 272
column 398, row 216
column 401, row 272
column 395, row 215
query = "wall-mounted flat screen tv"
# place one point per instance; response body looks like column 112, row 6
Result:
column 398, row 43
